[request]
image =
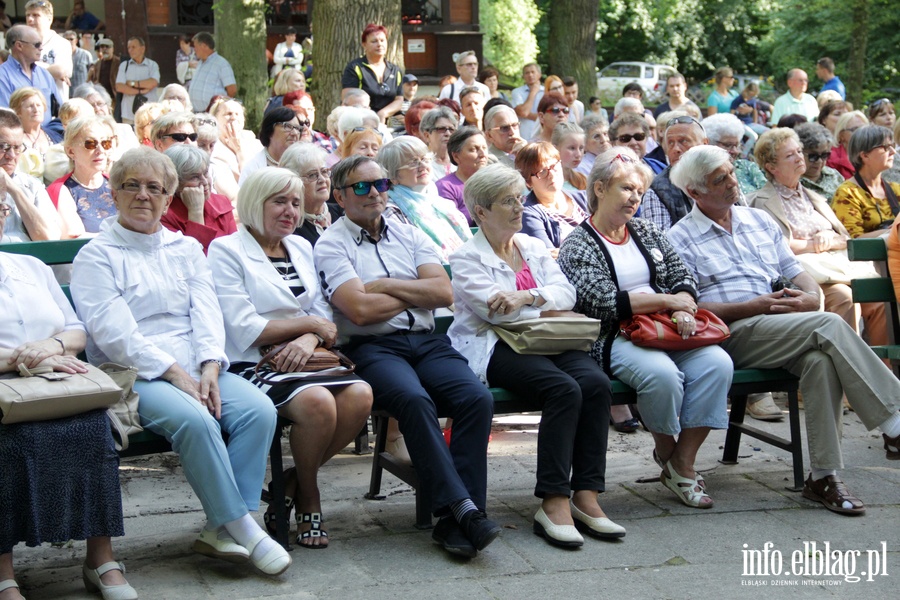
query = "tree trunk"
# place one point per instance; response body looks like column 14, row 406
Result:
column 572, row 45
column 240, row 32
column 338, row 27
column 857, row 66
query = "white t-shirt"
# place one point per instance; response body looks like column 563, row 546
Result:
column 452, row 91
column 630, row 265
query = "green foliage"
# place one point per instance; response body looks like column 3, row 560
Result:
column 509, row 40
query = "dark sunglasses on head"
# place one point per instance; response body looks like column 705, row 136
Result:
column 91, row 144
column 181, row 137
column 627, row 137
column 362, row 188
column 817, row 157
column 558, row 109
column 684, row 120
column 878, row 103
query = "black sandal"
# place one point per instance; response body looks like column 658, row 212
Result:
column 315, row 530
column 290, row 481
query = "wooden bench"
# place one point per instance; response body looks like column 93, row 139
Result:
column 146, row 442
column 878, row 289
column 744, row 382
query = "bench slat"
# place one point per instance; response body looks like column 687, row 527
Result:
column 875, row 289
column 867, row 249
column 54, row 252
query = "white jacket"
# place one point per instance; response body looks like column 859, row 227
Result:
column 148, row 301
column 282, row 62
column 478, row 274
column 252, row 293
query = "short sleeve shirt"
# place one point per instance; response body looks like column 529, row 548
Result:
column 134, row 71
column 210, row 79
column 358, row 74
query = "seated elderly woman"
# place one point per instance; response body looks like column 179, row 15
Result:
column 892, row 175
column 468, row 150
column 195, row 211
column 817, row 145
column 726, row 131
column 550, row 213
column 83, row 197
column 501, row 276
column 56, row 161
column 362, row 141
column 866, row 204
column 596, row 141
column 269, row 292
column 99, row 98
column 60, row 478
column 148, row 300
column 568, row 139
column 176, row 91
column 552, row 109
column 846, row 125
column 408, row 165
column 812, row 230
column 29, row 104
column 632, row 131
column 627, row 104
column 681, row 394
column 279, row 130
column 288, row 80
column 881, row 112
column 236, row 145
column 307, row 161
column 437, row 125
column 831, row 112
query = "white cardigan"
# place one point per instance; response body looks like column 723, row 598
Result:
column 252, row 293
column 478, row 274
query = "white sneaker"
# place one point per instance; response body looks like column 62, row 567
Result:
column 762, row 408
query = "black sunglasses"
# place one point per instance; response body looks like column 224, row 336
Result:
column 558, row 109
column 362, row 188
column 181, row 137
column 817, row 157
column 684, row 120
column 627, row 137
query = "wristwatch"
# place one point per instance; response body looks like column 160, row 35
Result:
column 534, row 296
column 211, row 360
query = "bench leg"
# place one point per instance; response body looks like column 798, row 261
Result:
column 379, row 428
column 361, row 443
column 282, row 526
column 796, row 440
column 423, row 513
column 733, row 437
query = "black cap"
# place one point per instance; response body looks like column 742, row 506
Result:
column 410, row 78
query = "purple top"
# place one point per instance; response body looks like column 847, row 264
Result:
column 451, row 188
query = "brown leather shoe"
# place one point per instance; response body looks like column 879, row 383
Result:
column 834, row 495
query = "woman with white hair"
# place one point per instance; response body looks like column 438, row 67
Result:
column 413, row 200
column 623, row 266
column 175, row 91
column 846, row 125
column 97, row 96
column 309, row 163
column 502, row 276
column 438, row 124
column 726, row 131
column 270, row 296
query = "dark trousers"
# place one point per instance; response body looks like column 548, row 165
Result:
column 574, row 394
column 416, row 378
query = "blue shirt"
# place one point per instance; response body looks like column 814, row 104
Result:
column 85, row 22
column 12, row 77
column 837, row 85
column 210, row 79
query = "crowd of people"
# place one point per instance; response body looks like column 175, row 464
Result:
column 211, row 245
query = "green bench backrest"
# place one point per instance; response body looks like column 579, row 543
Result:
column 876, row 289
column 57, row 252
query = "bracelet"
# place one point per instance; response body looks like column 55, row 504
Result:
column 211, row 360
column 61, row 343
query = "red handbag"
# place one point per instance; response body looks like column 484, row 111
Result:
column 656, row 330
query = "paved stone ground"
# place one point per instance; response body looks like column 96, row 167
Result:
column 671, row 551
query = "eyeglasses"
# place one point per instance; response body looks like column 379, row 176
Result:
column 684, row 120
column 134, row 187
column 314, row 176
column 731, row 146
column 207, row 121
column 37, row 45
column 624, row 158
column 16, row 150
column 180, row 137
column 469, row 64
column 559, row 109
column 506, row 129
column 817, row 157
column 5, row 210
column 361, row 129
column 627, row 137
column 545, row 173
column 288, row 127
column 443, row 130
column 362, row 188
column 889, row 148
column 511, row 201
column 419, row 162
column 91, row 143
column 556, row 88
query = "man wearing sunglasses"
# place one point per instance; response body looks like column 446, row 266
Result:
column 173, row 128
column 33, row 216
column 633, row 131
column 664, row 203
column 384, row 280
column 22, row 68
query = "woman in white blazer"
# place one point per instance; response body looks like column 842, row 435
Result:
column 287, row 53
column 269, row 293
column 502, row 276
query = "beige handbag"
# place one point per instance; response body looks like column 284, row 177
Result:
column 549, row 335
column 834, row 267
column 123, row 415
column 43, row 394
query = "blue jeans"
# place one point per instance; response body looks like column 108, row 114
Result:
column 676, row 390
column 227, row 479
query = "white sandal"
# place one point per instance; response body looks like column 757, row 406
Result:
column 689, row 491
column 275, row 562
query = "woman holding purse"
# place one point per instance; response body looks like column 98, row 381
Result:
column 622, row 266
column 501, row 276
column 269, row 293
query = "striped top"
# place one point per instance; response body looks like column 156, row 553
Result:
column 286, row 269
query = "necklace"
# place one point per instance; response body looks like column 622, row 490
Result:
column 272, row 162
column 34, row 138
column 283, row 271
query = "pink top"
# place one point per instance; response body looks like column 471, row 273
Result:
column 524, row 278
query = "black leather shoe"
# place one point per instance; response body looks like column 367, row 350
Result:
column 480, row 530
column 448, row 534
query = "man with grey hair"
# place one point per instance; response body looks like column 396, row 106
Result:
column 795, row 101
column 501, row 128
column 214, row 75
column 384, row 278
column 173, row 128
column 356, row 98
column 748, row 276
column 627, row 104
column 467, row 67
column 664, row 203
column 23, row 69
